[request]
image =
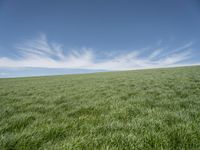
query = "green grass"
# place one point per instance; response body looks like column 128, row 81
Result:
column 146, row 109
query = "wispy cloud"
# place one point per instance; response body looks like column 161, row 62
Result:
column 3, row 73
column 42, row 53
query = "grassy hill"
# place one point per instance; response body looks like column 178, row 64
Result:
column 146, row 109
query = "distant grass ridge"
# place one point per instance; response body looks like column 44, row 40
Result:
column 146, row 109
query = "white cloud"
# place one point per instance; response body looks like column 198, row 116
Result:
column 3, row 73
column 42, row 53
column 155, row 53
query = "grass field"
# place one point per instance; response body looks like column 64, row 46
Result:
column 146, row 109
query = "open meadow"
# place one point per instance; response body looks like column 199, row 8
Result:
column 143, row 109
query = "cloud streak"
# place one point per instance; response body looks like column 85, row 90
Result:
column 44, row 54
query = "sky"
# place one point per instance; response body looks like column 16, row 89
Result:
column 48, row 37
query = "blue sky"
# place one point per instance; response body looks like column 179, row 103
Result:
column 46, row 37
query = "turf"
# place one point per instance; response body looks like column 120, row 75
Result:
column 146, row 109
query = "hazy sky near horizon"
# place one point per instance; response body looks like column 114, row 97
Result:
column 76, row 36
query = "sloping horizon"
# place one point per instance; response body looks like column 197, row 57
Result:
column 41, row 72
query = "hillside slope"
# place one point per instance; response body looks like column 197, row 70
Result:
column 146, row 109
